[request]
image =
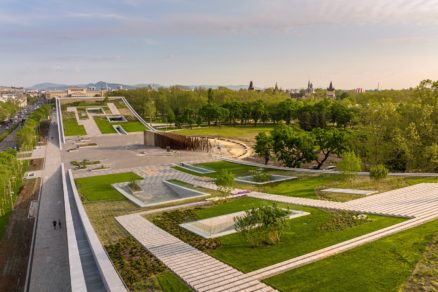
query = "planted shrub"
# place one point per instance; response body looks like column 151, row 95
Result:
column 135, row 264
column 170, row 221
column 262, row 225
column 225, row 181
column 342, row 220
column 378, row 172
column 261, row 176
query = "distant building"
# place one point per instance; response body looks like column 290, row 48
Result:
column 310, row 89
column 359, row 90
column 18, row 98
column 75, row 92
column 331, row 92
column 251, row 85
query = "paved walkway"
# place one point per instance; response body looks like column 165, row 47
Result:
column 112, row 107
column 50, row 269
column 199, row 270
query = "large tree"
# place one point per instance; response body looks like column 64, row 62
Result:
column 329, row 141
column 291, row 147
column 264, row 146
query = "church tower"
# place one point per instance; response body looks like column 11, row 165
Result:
column 331, row 92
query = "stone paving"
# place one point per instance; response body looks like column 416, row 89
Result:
column 112, row 107
column 199, row 270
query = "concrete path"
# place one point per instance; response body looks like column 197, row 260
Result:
column 199, row 270
column 49, row 267
column 112, row 107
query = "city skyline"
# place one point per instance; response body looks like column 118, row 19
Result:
column 187, row 42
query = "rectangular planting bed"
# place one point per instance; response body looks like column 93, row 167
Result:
column 249, row 179
column 116, row 119
column 197, row 169
column 157, row 193
column 224, row 225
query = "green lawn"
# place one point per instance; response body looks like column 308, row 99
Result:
column 383, row 265
column 244, row 133
column 169, row 282
column 308, row 185
column 98, row 188
column 106, row 127
column 301, row 236
column 71, row 126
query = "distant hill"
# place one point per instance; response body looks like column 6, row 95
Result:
column 108, row 85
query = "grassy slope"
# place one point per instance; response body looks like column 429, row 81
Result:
column 383, row 265
column 244, row 133
column 301, row 236
column 72, row 128
column 98, row 188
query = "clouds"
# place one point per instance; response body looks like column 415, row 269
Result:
column 234, row 36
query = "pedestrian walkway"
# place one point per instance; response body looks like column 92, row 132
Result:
column 199, row 270
column 112, row 107
column 49, row 267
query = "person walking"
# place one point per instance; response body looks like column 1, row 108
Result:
column 59, row 223
column 54, row 224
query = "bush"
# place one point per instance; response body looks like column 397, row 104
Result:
column 262, row 225
column 378, row 172
column 261, row 176
column 343, row 220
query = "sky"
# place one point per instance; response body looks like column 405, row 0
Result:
column 354, row 43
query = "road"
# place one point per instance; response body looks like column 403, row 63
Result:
column 10, row 141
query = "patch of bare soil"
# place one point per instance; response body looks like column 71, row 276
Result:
column 36, row 164
column 16, row 242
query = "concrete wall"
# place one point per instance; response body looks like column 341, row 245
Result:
column 183, row 191
column 107, row 271
column 77, row 278
column 149, row 138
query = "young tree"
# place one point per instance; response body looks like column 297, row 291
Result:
column 224, row 182
column 264, row 146
column 292, row 148
column 349, row 165
column 329, row 141
column 262, row 225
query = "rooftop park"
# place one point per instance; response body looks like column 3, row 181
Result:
column 299, row 236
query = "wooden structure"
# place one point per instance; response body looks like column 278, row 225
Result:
column 176, row 142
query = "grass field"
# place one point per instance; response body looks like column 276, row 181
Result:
column 98, row 188
column 301, row 235
column 71, row 126
column 383, row 265
column 106, row 127
column 243, row 133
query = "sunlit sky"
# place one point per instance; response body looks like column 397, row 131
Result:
column 355, row 43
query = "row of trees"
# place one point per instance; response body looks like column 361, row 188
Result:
column 27, row 136
column 11, row 173
column 182, row 106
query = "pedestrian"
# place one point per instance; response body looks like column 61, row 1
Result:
column 54, row 224
column 59, row 224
